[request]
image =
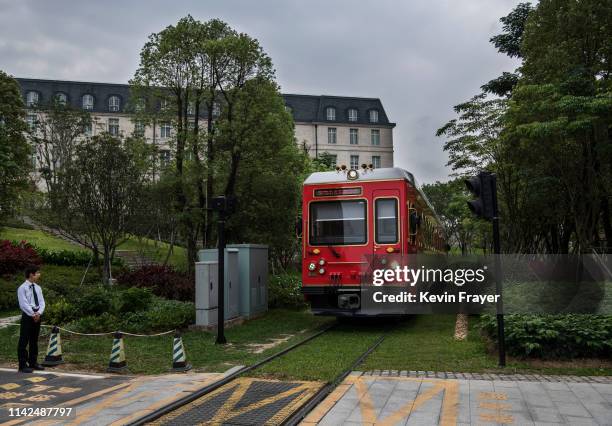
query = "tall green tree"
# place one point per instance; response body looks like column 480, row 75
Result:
column 15, row 159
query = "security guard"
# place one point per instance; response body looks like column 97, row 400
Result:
column 32, row 305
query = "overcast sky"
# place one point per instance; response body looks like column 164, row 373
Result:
column 420, row 57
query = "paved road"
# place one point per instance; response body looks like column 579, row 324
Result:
column 95, row 399
column 367, row 399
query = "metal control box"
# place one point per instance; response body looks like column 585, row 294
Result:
column 207, row 284
column 252, row 270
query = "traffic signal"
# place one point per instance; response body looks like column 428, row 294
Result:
column 483, row 187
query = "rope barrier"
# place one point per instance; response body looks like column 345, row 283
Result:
column 98, row 334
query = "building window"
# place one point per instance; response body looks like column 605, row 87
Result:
column 331, row 114
column 139, row 105
column 376, row 161
column 113, row 126
column 61, row 98
column 289, row 109
column 32, row 99
column 354, row 161
column 139, row 129
column 354, row 136
column 31, row 121
column 375, row 137
column 88, row 102
column 333, row 160
column 216, row 110
column 164, row 104
column 352, row 114
column 114, row 103
column 88, row 129
column 165, row 130
column 331, row 135
column 373, row 116
column 164, row 158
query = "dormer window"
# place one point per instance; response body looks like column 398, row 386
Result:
column 373, row 116
column 88, row 102
column 31, row 99
column 352, row 114
column 61, row 98
column 114, row 103
column 331, row 114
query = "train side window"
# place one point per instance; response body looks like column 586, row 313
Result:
column 386, row 221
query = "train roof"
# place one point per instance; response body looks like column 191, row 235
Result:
column 390, row 173
column 369, row 175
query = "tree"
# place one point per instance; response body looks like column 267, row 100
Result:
column 15, row 163
column 55, row 134
column 100, row 192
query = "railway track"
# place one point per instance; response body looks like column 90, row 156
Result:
column 294, row 417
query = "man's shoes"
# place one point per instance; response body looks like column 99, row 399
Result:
column 38, row 367
column 26, row 370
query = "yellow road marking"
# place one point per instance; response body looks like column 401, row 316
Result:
column 323, row 408
column 499, row 396
column 195, row 385
column 40, row 388
column 9, row 386
column 39, row 398
column 228, row 411
column 494, row 406
column 10, row 395
column 36, row 379
column 65, row 389
column 497, row 418
column 74, row 402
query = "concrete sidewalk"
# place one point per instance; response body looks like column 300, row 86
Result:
column 367, row 399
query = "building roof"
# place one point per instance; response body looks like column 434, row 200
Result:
column 305, row 108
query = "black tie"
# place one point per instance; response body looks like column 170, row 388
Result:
column 35, row 295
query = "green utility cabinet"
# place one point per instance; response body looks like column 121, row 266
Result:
column 252, row 275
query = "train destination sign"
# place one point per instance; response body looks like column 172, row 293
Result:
column 335, row 192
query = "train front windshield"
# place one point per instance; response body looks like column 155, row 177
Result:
column 338, row 222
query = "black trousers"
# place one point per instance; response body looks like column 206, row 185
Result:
column 28, row 336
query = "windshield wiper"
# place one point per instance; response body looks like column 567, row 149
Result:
column 334, row 252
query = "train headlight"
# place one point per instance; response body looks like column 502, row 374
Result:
column 322, row 262
column 311, row 266
column 352, row 174
column 316, row 251
column 321, row 271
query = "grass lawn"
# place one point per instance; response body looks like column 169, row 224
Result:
column 152, row 355
column 426, row 343
column 151, row 248
column 38, row 238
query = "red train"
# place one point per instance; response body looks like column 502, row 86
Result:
column 350, row 215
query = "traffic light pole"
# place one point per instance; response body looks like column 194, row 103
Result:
column 221, row 279
column 501, row 335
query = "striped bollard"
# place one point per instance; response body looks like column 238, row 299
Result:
column 179, row 359
column 117, row 362
column 54, row 350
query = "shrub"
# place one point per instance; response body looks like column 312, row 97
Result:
column 96, row 301
column 284, row 292
column 8, row 296
column 164, row 281
column 104, row 323
column 554, row 336
column 64, row 257
column 162, row 316
column 60, row 311
column 14, row 257
column 134, row 299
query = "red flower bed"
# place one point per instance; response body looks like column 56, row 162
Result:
column 14, row 257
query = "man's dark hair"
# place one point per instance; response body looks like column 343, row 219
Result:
column 31, row 269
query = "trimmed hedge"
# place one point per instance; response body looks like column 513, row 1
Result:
column 554, row 336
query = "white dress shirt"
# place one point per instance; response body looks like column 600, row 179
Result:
column 26, row 298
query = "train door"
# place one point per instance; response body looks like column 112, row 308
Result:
column 387, row 230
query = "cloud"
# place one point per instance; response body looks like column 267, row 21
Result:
column 419, row 57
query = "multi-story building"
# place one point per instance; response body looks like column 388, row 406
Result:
column 352, row 131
